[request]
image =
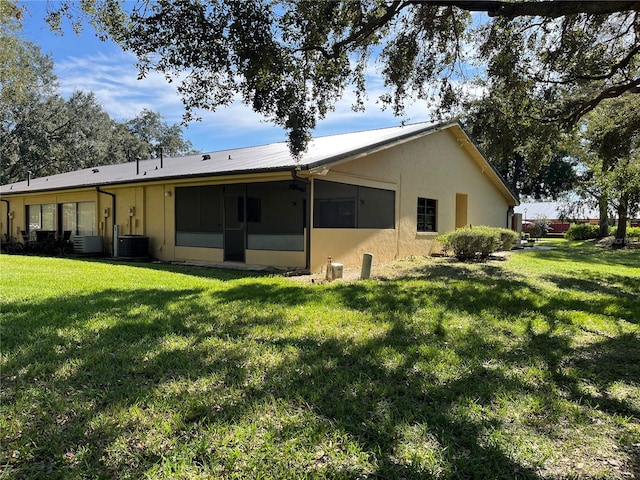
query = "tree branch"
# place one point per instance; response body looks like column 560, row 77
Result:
column 580, row 108
column 614, row 68
column 551, row 9
column 366, row 29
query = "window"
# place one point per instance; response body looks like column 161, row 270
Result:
column 427, row 208
column 42, row 217
column 340, row 205
column 78, row 218
column 254, row 210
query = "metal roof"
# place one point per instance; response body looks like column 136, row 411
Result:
column 554, row 210
column 265, row 158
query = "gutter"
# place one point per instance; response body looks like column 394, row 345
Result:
column 113, row 203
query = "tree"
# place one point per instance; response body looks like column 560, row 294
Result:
column 50, row 135
column 154, row 133
column 290, row 60
column 611, row 155
column 528, row 153
column 42, row 133
column 27, row 81
column 22, row 65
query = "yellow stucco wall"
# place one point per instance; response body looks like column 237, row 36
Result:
column 194, row 254
column 433, row 167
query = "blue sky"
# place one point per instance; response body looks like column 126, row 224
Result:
column 83, row 62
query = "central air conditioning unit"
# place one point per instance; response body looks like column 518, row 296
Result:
column 87, row 244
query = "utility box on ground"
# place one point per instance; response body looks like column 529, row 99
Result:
column 334, row 270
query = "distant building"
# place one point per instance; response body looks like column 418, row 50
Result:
column 556, row 214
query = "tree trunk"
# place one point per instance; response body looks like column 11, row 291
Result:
column 604, row 218
column 621, row 231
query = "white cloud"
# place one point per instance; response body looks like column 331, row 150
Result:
column 114, row 80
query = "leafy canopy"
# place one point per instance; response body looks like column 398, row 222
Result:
column 610, row 151
column 42, row 133
column 291, row 60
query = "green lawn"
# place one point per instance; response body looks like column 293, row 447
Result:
column 523, row 368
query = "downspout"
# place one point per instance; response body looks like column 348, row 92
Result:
column 308, row 239
column 8, row 217
column 307, row 255
column 113, row 208
column 510, row 211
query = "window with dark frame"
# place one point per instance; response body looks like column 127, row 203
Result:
column 254, row 210
column 427, row 214
column 41, row 217
column 78, row 217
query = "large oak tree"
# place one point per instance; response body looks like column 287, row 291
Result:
column 42, row 133
column 291, row 60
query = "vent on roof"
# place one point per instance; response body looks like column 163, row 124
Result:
column 206, row 156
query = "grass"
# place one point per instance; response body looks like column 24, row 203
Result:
column 525, row 368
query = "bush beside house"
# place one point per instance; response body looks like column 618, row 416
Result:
column 469, row 243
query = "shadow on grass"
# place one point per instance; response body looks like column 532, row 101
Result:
column 81, row 383
column 199, row 271
column 78, row 384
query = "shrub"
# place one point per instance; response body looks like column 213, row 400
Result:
column 582, row 232
column 507, row 239
column 541, row 226
column 632, row 232
column 470, row 242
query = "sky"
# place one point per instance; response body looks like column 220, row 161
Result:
column 84, row 62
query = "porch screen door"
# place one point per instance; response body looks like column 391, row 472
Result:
column 234, row 223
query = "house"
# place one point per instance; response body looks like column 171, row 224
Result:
column 389, row 192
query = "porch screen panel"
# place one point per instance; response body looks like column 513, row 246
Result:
column 199, row 216
column 210, row 214
column 376, row 208
column 275, row 216
column 187, row 209
column 334, row 205
column 339, row 205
